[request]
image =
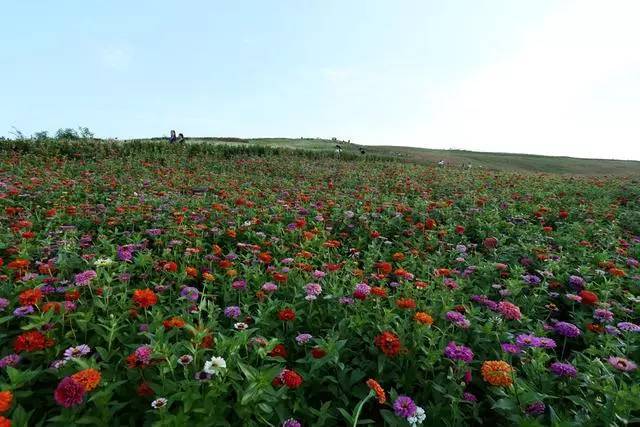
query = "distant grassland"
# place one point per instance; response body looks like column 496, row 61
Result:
column 501, row 161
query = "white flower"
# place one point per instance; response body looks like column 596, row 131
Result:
column 417, row 418
column 241, row 326
column 103, row 262
column 159, row 403
column 215, row 365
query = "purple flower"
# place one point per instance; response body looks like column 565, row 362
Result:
column 528, row 340
column 77, row 351
column 232, row 312
column 567, row 329
column 611, row 330
column 69, row 306
column 346, row 300
column 154, row 232
column 628, row 327
column 9, row 360
column 535, row 408
column 531, row 279
column 404, row 407
column 291, row 422
column 23, row 311
column 511, row 348
column 303, row 338
column 603, row 315
column 563, row 369
column 125, row 253
column 547, row 342
column 577, row 283
column 190, row 293
column 84, row 278
column 454, row 351
column 239, row 284
column 469, row 397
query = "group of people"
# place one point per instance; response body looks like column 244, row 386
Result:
column 173, row 138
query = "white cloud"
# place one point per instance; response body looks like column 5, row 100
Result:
column 572, row 89
column 116, row 58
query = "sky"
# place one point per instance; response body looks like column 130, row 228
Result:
column 531, row 76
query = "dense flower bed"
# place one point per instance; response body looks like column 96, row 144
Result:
column 285, row 290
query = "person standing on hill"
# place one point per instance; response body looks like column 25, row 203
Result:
column 180, row 138
column 172, row 137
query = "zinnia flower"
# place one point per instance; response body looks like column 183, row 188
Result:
column 567, row 329
column 89, row 378
column 6, row 400
column 215, row 365
column 455, row 351
column 497, row 372
column 378, row 390
column 563, row 369
column 77, row 351
column 145, row 298
column 388, row 343
column 622, row 364
column 404, row 407
column 69, row 393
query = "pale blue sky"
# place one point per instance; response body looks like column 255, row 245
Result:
column 537, row 76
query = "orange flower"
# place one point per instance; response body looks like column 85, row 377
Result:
column 191, row 271
column 379, row 291
column 423, row 318
column 144, row 298
column 378, row 390
column 398, row 256
column 616, row 272
column 174, row 322
column 6, row 399
column 497, row 372
column 89, row 378
column 208, row 277
column 18, row 264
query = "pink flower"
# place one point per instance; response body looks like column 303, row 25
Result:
column 509, row 310
column 69, row 393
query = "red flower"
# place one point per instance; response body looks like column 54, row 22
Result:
column 144, row 298
column 384, row 267
column 170, row 266
column 318, row 352
column 490, row 243
column 406, row 303
column 144, row 390
column 72, row 295
column 5, row 422
column 388, row 343
column 588, row 297
column 287, row 314
column 291, row 379
column 30, row 297
column 31, row 341
column 459, row 229
column 279, row 351
column 430, row 224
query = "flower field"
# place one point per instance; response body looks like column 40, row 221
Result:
column 146, row 284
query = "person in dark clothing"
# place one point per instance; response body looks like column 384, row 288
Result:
column 172, row 138
column 180, row 137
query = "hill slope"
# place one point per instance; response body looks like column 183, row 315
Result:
column 502, row 161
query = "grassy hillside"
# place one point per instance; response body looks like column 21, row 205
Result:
column 502, row 161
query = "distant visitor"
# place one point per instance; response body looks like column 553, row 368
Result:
column 172, row 138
